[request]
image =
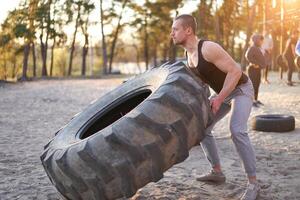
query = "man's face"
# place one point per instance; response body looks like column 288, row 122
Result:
column 178, row 33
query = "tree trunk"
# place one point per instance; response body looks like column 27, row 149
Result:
column 84, row 54
column 14, row 70
column 25, row 62
column 73, row 42
column 217, row 26
column 146, row 53
column 52, row 56
column 43, row 51
column 44, row 60
column 92, row 58
column 46, row 41
column 44, row 45
column 226, row 37
column 202, row 15
column 104, row 49
column 282, row 32
column 112, row 51
column 34, row 59
column 137, row 57
column 4, row 69
column 32, row 10
column 249, row 32
column 155, row 56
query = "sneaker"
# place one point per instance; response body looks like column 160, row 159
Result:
column 251, row 192
column 259, row 102
column 217, row 177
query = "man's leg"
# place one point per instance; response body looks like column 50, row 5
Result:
column 210, row 150
column 241, row 108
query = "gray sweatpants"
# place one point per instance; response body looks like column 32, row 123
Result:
column 241, row 100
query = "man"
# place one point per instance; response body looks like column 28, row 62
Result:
column 216, row 68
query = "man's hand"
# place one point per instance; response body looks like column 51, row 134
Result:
column 215, row 104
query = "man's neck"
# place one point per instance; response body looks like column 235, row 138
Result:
column 191, row 44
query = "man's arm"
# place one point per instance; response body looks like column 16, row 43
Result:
column 215, row 54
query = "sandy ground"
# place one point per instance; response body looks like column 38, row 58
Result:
column 31, row 112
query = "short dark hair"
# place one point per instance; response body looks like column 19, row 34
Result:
column 188, row 21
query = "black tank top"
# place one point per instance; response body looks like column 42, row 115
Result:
column 210, row 73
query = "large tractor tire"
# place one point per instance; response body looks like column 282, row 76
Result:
column 130, row 136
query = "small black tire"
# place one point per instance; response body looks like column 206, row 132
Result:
column 273, row 123
column 108, row 151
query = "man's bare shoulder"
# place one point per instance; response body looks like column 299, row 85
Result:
column 210, row 45
column 210, row 50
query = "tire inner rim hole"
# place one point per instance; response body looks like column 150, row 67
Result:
column 273, row 117
column 101, row 120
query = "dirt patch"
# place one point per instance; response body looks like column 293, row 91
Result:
column 31, row 112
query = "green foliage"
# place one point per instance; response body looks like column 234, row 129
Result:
column 5, row 39
column 21, row 30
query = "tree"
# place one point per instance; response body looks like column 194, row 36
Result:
column 204, row 18
column 88, row 7
column 153, row 22
column 109, row 41
column 104, row 46
column 72, row 6
column 32, row 13
column 81, row 8
column 115, row 36
column 251, row 15
column 44, row 21
column 16, row 26
column 56, row 33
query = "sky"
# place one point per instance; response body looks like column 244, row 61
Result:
column 5, row 7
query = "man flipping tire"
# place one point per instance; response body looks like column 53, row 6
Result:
column 216, row 68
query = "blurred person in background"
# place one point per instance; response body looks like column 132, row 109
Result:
column 290, row 54
column 297, row 59
column 256, row 59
